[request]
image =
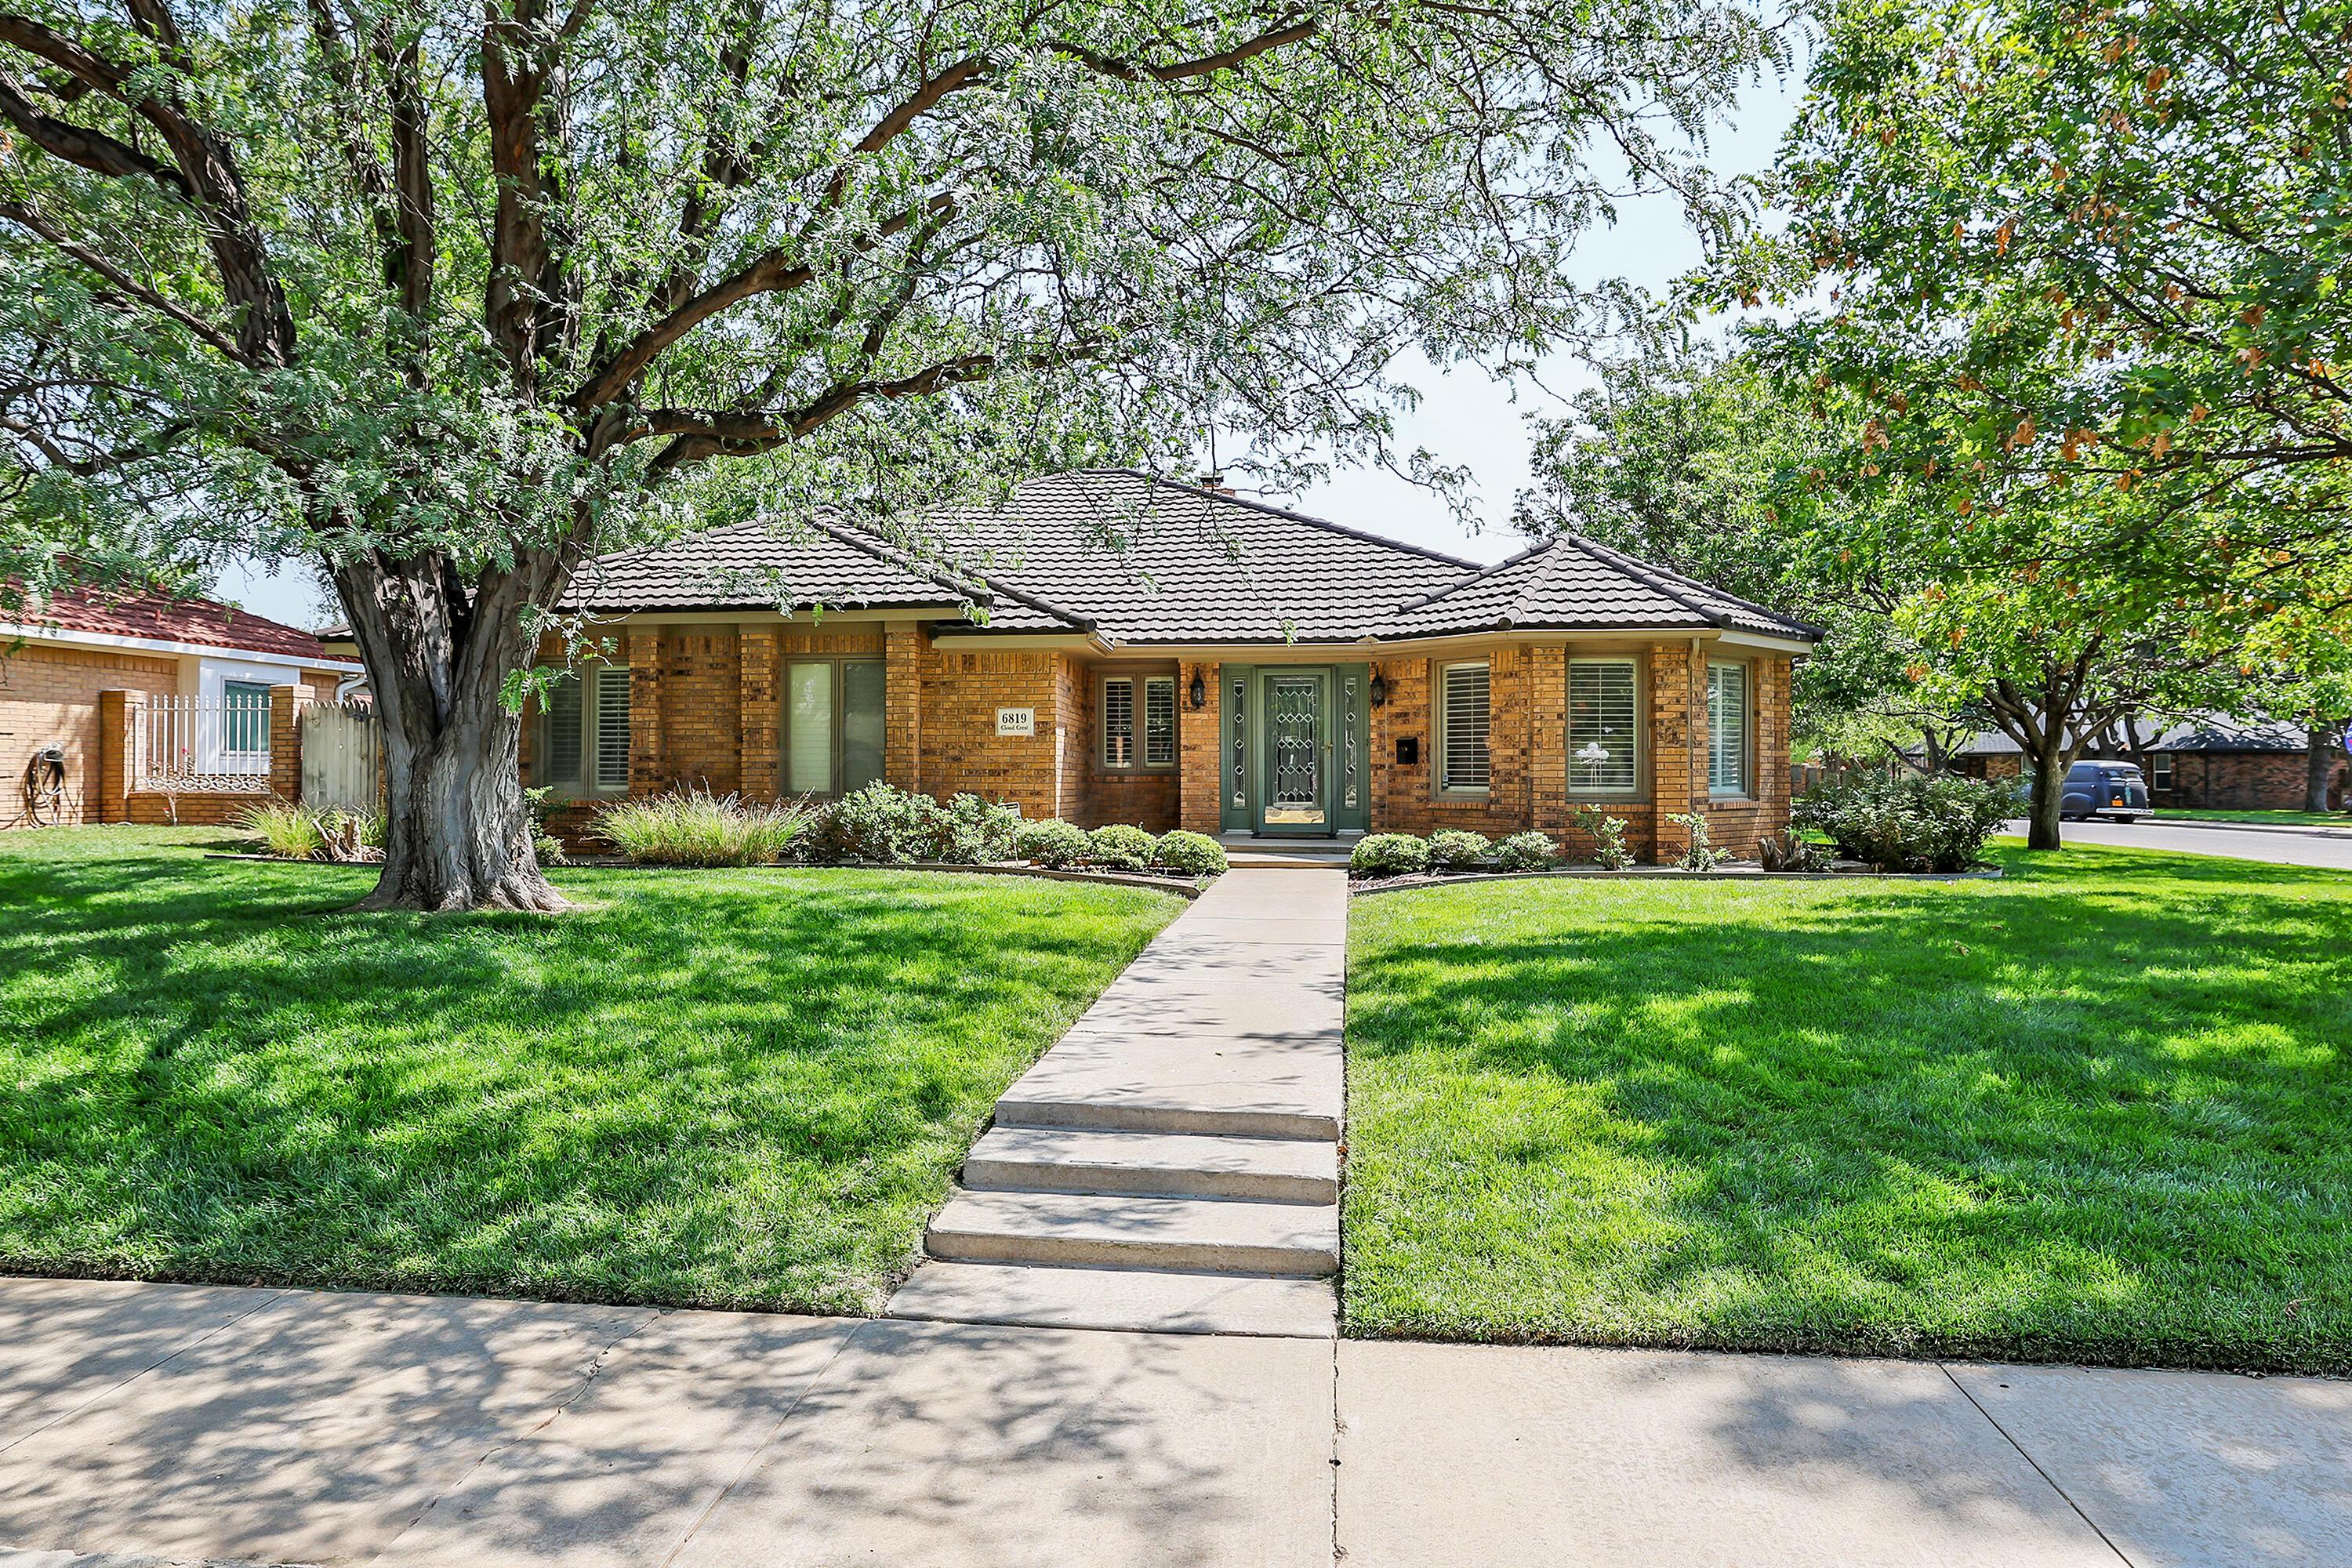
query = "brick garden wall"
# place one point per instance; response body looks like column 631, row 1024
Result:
column 48, row 696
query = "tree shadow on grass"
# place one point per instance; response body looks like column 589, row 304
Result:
column 2087, row 1112
column 741, row 1089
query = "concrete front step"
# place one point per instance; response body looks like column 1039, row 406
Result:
column 1147, row 1300
column 1228, row 1235
column 1234, row 1110
column 1154, row 1165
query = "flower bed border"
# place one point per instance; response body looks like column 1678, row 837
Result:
column 1186, row 887
column 1720, row 874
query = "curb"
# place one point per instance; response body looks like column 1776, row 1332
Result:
column 2308, row 829
column 1647, row 873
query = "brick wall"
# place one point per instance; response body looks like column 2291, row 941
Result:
column 2243, row 780
column 1199, row 750
column 962, row 688
column 1404, row 796
column 48, row 696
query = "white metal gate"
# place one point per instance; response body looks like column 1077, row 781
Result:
column 342, row 747
column 216, row 745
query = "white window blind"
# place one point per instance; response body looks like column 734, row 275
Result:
column 1160, row 722
column 612, row 726
column 1726, row 728
column 808, row 729
column 1463, row 720
column 1601, row 718
column 559, row 760
column 1118, row 723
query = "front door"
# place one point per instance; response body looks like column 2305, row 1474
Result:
column 1297, row 753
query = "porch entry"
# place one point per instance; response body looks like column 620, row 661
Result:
column 1297, row 751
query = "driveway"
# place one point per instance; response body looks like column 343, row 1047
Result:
column 147, row 1422
column 2284, row 846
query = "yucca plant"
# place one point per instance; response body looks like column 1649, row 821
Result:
column 695, row 828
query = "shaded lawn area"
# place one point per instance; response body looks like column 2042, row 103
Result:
column 2287, row 818
column 742, row 1089
column 2097, row 1110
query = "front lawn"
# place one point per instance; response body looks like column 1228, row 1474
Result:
column 2097, row 1110
column 742, row 1089
column 2288, row 818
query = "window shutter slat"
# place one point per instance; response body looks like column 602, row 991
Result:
column 1118, row 723
column 562, row 761
column 1160, row 722
column 612, row 726
column 1601, row 720
column 1464, row 763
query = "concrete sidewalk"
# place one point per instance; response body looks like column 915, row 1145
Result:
column 146, row 1422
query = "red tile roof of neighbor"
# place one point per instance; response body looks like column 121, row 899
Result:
column 160, row 618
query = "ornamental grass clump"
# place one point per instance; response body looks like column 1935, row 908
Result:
column 283, row 830
column 1453, row 849
column 695, row 828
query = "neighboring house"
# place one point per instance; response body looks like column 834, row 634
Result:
column 193, row 678
column 1232, row 668
column 2237, row 764
column 1991, row 755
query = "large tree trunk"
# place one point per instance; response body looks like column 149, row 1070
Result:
column 2050, row 760
column 2326, row 743
column 439, row 656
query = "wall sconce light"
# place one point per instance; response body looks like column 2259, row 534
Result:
column 1380, row 688
column 1199, row 693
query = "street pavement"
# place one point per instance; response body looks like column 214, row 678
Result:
column 151, row 1424
column 2330, row 847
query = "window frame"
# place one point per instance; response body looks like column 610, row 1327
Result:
column 1139, row 723
column 839, row 661
column 2159, row 771
column 1440, row 706
column 1746, row 788
column 247, row 720
column 586, row 786
column 1638, row 788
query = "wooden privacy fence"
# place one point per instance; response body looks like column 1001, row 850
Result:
column 343, row 757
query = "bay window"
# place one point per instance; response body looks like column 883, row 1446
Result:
column 1727, row 727
column 1604, row 717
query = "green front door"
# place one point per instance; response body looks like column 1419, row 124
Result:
column 1297, row 755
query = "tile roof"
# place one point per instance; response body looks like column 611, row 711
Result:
column 2224, row 732
column 1135, row 559
column 162, row 618
column 1573, row 584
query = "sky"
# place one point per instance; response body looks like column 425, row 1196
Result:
column 1464, row 417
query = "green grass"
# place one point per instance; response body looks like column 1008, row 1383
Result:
column 2294, row 818
column 742, row 1089
column 2101, row 1110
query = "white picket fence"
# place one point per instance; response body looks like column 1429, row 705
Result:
column 209, row 745
column 343, row 757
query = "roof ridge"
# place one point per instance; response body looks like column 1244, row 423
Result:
column 858, row 539
column 1765, row 610
column 1283, row 511
column 1641, row 572
column 1477, row 574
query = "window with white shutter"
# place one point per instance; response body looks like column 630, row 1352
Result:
column 1726, row 728
column 1160, row 722
column 1603, row 719
column 612, row 726
column 1462, row 722
column 1118, row 723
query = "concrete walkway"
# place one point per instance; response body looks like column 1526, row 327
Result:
column 140, row 1423
column 1174, row 1162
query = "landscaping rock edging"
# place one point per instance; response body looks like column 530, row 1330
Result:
column 1720, row 874
column 1183, row 887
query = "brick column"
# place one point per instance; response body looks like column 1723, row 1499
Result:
column 760, row 763
column 1200, row 751
column 117, row 720
column 1677, row 741
column 1547, row 678
column 902, row 706
column 285, row 705
column 647, row 757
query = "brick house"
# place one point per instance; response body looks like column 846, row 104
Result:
column 2214, row 762
column 81, row 671
column 1115, row 648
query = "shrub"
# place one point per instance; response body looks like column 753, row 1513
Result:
column 1389, row 855
column 1526, row 852
column 695, row 828
column 975, row 830
column 541, row 804
column 1700, row 854
column 878, row 825
column 1906, row 824
column 1052, row 842
column 284, row 830
column 1193, row 854
column 1608, row 836
column 1120, row 846
column 1452, row 849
